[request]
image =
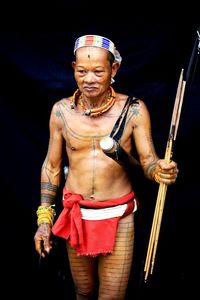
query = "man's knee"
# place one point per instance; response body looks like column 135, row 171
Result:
column 84, row 293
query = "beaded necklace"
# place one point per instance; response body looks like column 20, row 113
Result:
column 77, row 98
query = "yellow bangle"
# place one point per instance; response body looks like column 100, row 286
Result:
column 45, row 214
column 156, row 177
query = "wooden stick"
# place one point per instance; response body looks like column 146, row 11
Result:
column 157, row 219
column 163, row 188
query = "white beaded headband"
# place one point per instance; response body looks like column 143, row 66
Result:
column 97, row 41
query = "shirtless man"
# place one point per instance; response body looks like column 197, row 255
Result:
column 97, row 219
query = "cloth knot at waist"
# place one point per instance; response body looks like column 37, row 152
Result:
column 69, row 223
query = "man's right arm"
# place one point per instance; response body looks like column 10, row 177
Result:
column 50, row 180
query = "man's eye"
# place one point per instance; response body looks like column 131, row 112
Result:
column 98, row 73
column 82, row 72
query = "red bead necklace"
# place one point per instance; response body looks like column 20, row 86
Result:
column 77, row 98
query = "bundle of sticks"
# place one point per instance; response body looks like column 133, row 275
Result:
column 162, row 190
column 157, row 218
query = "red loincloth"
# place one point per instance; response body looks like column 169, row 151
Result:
column 89, row 237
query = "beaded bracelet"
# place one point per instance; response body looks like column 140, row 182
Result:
column 45, row 214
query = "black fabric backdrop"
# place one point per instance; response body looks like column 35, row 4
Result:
column 35, row 72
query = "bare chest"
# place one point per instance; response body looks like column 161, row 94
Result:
column 81, row 131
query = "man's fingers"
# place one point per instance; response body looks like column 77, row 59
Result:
column 47, row 245
column 38, row 246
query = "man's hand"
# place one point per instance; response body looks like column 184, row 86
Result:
column 165, row 172
column 42, row 238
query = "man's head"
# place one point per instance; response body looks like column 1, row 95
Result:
column 96, row 64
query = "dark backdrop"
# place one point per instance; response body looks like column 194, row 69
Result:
column 35, row 72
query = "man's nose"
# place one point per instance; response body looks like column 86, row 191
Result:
column 89, row 77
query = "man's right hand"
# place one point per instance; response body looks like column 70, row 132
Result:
column 42, row 238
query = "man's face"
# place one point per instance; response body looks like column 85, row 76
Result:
column 93, row 71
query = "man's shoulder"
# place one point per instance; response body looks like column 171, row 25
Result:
column 124, row 97
column 62, row 101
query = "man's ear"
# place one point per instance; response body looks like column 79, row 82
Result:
column 73, row 64
column 115, row 68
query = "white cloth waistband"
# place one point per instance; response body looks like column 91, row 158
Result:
column 105, row 213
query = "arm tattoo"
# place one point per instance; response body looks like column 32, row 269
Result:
column 50, row 194
column 47, row 198
column 49, row 187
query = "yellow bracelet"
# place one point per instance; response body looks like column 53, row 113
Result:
column 45, row 214
column 156, row 177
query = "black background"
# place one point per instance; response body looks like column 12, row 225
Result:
column 35, row 72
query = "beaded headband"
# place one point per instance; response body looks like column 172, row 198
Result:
column 97, row 41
